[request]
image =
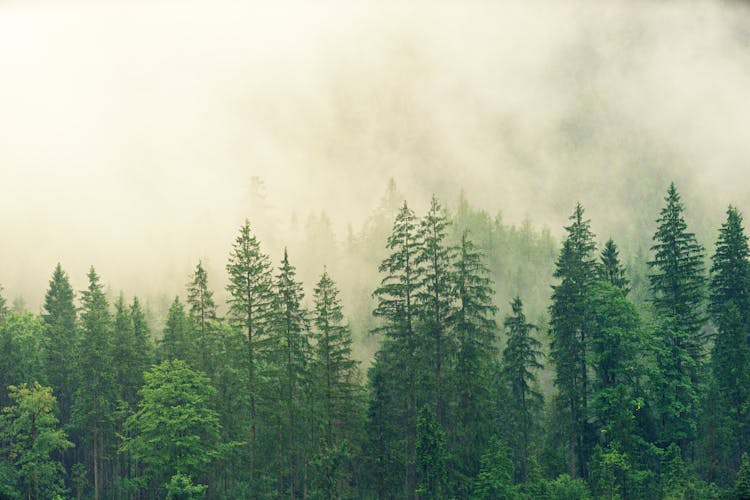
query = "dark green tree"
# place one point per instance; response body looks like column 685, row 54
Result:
column 474, row 330
column 291, row 328
column 396, row 298
column 730, row 357
column 741, row 488
column 434, row 301
column 202, row 312
column 96, row 393
column 677, row 288
column 59, row 316
column 520, row 364
column 569, row 327
column 250, row 305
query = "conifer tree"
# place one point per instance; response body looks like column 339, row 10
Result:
column 250, row 304
column 611, row 269
column 474, row 329
column 290, row 324
column 396, row 298
column 677, row 287
column 730, row 357
column 176, row 342
column 569, row 328
column 435, row 300
column 59, row 318
column 520, row 364
column 203, row 314
column 96, row 392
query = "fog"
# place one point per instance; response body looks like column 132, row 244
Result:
column 137, row 136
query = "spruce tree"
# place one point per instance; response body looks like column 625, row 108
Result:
column 677, row 288
column 730, row 356
column 610, row 268
column 435, row 300
column 396, row 298
column 569, row 327
column 96, row 392
column 202, row 311
column 520, row 364
column 250, row 304
column 474, row 329
column 59, row 318
column 290, row 325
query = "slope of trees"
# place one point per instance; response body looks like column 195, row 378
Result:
column 598, row 397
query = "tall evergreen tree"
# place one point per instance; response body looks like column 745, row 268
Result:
column 203, row 314
column 250, row 305
column 474, row 329
column 294, row 349
column 396, row 298
column 677, row 287
column 569, row 328
column 96, row 392
column 335, row 377
column 435, row 300
column 59, row 318
column 520, row 364
column 730, row 357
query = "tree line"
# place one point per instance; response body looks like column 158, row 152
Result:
column 648, row 398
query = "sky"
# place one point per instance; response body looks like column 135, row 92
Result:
column 131, row 132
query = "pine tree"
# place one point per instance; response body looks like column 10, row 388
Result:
column 474, row 328
column 434, row 300
column 611, row 269
column 59, row 318
column 96, row 392
column 569, row 328
column 431, row 454
column 202, row 314
column 396, row 298
column 336, row 372
column 250, row 303
column 520, row 363
column 290, row 324
column 677, row 287
column 730, row 357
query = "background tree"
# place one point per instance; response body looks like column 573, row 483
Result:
column 202, row 312
column 520, row 364
column 177, row 342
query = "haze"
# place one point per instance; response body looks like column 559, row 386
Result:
column 130, row 132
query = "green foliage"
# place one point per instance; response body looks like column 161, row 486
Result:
column 174, row 430
column 610, row 268
column 431, row 454
column 21, row 335
column 495, row 478
column 741, row 490
column 32, row 442
column 181, row 487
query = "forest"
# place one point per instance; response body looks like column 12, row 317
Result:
column 458, row 372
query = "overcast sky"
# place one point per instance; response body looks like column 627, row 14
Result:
column 130, row 131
